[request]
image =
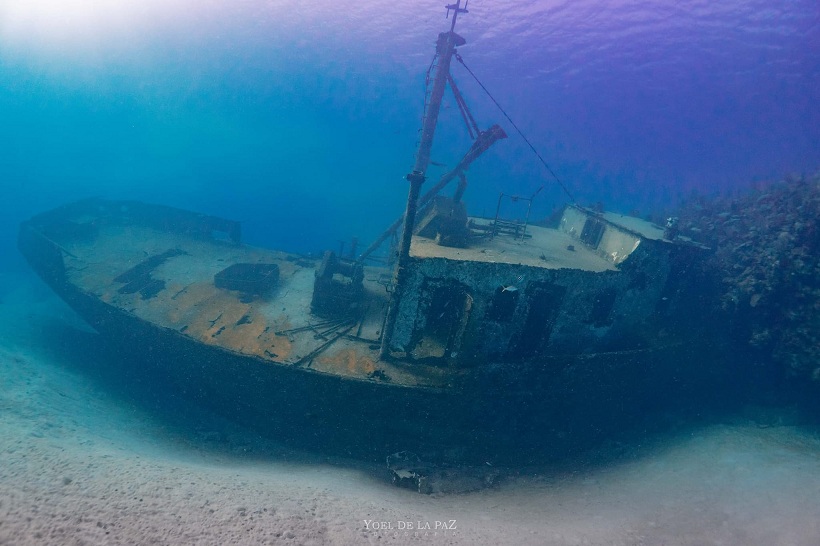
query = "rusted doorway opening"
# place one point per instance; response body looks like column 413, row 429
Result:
column 446, row 310
column 543, row 303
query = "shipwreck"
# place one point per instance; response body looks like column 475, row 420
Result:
column 479, row 335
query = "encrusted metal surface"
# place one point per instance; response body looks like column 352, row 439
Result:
column 503, row 300
column 278, row 328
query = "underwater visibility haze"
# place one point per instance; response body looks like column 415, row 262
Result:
column 647, row 374
column 280, row 111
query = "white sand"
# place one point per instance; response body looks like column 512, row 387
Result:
column 85, row 462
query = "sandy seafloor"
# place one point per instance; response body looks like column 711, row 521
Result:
column 88, row 459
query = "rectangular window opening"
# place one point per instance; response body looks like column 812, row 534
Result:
column 592, row 232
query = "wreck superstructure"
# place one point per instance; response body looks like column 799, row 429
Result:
column 591, row 285
column 474, row 312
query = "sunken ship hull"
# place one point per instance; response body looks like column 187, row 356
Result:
column 485, row 339
column 503, row 352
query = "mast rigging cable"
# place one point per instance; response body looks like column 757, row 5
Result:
column 543, row 162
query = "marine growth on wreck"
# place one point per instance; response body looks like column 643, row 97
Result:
column 767, row 262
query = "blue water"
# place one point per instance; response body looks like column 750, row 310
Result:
column 300, row 118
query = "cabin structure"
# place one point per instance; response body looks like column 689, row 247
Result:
column 595, row 283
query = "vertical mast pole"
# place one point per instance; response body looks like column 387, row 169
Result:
column 445, row 46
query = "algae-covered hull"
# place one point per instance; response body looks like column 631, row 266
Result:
column 238, row 328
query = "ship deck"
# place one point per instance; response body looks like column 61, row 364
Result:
column 277, row 328
column 545, row 248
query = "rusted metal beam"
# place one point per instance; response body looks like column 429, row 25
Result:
column 482, row 143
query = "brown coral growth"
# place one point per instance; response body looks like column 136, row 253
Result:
column 767, row 250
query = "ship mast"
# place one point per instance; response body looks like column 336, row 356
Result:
column 445, row 47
